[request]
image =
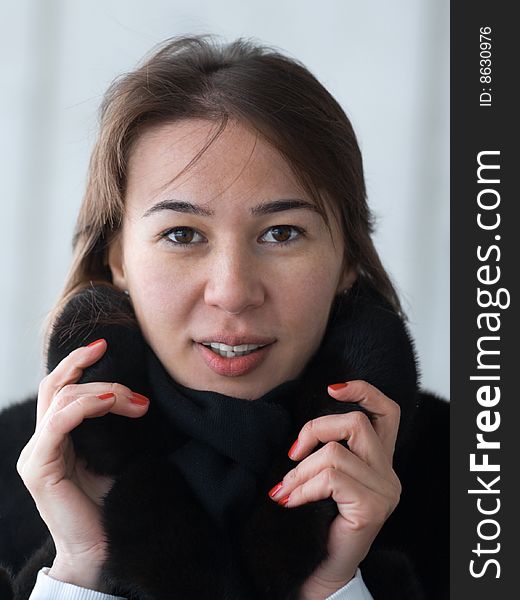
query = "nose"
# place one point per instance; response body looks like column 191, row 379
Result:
column 234, row 281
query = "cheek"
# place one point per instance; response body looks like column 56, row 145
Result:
column 159, row 295
column 315, row 277
column 306, row 300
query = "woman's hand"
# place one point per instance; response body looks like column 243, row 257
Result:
column 67, row 495
column 360, row 479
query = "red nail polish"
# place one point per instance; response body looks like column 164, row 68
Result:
column 96, row 342
column 292, row 449
column 136, row 398
column 283, row 501
column 106, row 396
column 338, row 386
column 275, row 489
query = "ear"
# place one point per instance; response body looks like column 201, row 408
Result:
column 116, row 262
column 347, row 279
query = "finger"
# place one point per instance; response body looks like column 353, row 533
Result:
column 385, row 412
column 47, row 449
column 125, row 404
column 355, row 428
column 336, row 456
column 358, row 505
column 69, row 370
column 131, row 405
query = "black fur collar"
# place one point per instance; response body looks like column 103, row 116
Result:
column 161, row 542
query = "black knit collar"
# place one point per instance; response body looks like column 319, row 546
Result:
column 228, row 444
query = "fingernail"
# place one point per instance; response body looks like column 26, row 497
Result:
column 96, row 342
column 292, row 449
column 136, row 398
column 106, row 396
column 275, row 489
column 283, row 501
column 338, row 386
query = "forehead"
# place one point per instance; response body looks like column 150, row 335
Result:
column 238, row 162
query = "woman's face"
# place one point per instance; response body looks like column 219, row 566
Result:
column 220, row 256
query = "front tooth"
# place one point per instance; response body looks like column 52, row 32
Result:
column 235, row 349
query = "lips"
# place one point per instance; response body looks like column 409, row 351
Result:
column 237, row 365
column 236, row 340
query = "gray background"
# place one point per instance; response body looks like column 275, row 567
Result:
column 387, row 63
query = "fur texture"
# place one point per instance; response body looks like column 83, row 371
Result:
column 162, row 544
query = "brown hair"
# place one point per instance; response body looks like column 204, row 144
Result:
column 196, row 77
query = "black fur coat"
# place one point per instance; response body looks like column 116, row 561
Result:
column 164, row 545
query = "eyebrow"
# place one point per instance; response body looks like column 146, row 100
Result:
column 265, row 208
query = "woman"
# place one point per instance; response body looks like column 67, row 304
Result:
column 225, row 300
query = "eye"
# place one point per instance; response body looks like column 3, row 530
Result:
column 282, row 234
column 181, row 236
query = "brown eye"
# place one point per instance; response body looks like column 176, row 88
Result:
column 181, row 235
column 283, row 234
